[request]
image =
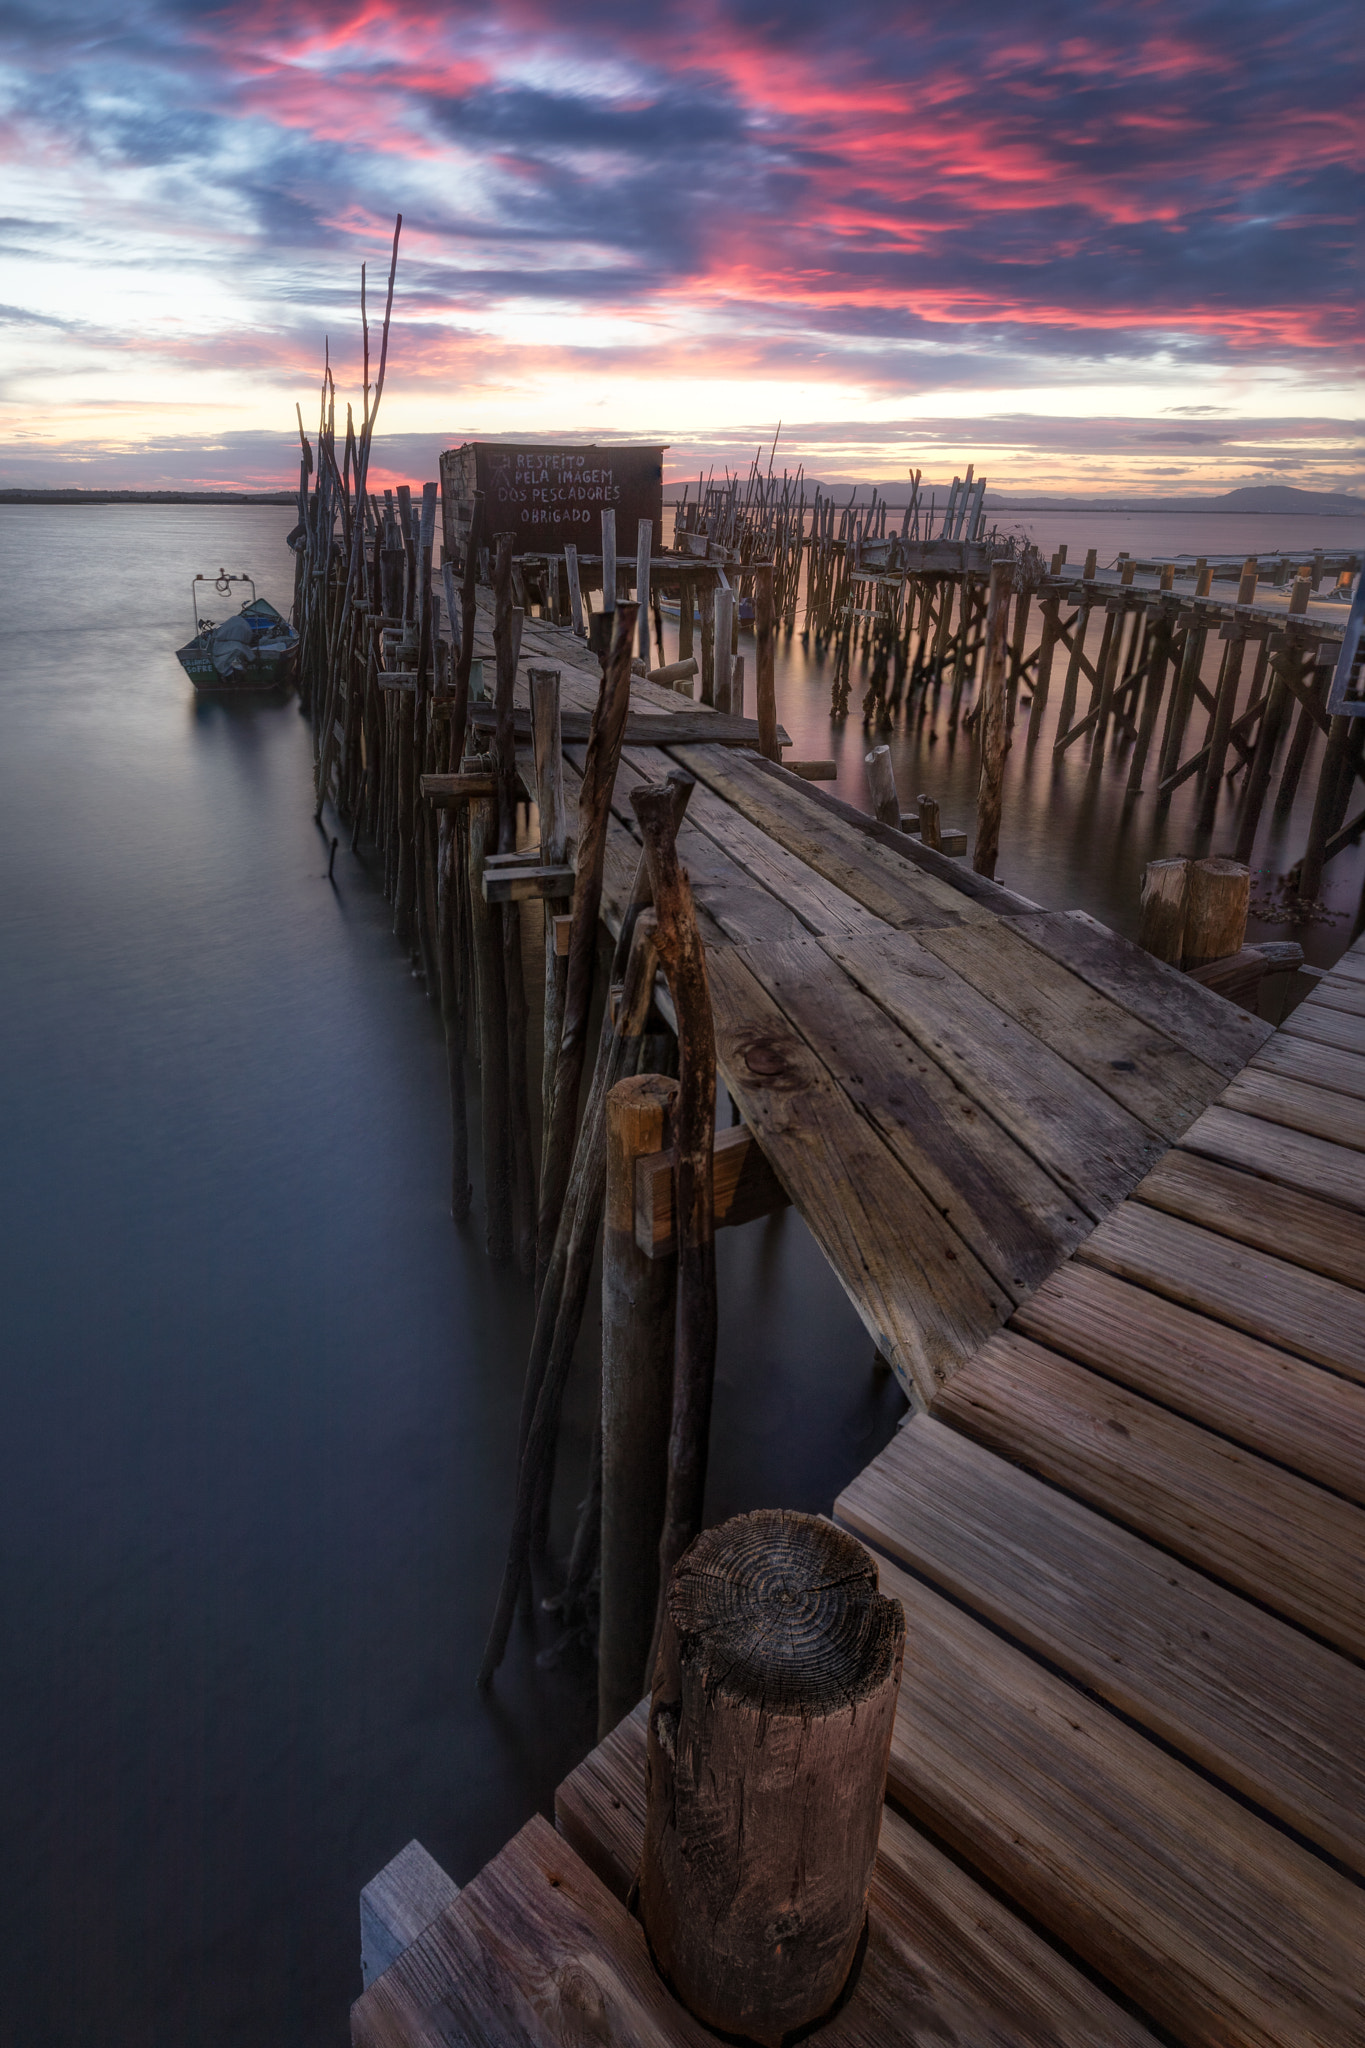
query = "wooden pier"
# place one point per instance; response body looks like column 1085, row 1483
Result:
column 1110, row 1233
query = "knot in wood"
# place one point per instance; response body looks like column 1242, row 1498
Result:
column 772, row 1058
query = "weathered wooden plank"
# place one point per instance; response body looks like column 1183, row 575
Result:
column 1091, row 1147
column 1298, row 1106
column 1283, row 1221
column 1312, row 1165
column 920, row 1290
column 1214, row 1030
column 534, row 1951
column 1015, row 1217
column 1311, row 1420
column 946, row 1962
column 930, row 862
column 1152, row 1077
column 735, row 907
column 884, row 883
column 1288, row 1543
column 398, row 1905
column 821, row 905
column 1338, row 992
column 1209, row 1918
column 646, row 728
column 1327, row 1027
column 1316, row 1065
column 1269, row 1298
column 1251, row 1699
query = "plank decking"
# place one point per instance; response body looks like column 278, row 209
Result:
column 1111, row 1232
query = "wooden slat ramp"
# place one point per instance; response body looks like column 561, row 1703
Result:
column 1135, row 1527
column 1111, row 1232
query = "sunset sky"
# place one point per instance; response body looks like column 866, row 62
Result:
column 1089, row 247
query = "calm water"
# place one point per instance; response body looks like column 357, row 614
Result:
column 260, row 1399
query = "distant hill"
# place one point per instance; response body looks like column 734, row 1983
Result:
column 1285, row 498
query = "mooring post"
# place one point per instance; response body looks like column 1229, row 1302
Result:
column 723, row 657
column 683, row 959
column 1161, row 916
column 881, row 783
column 930, row 829
column 990, row 790
column 1217, row 898
column 549, row 760
column 765, row 656
column 644, row 548
column 770, row 1723
column 706, row 604
column 486, row 943
column 638, row 1303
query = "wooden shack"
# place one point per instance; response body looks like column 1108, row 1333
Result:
column 550, row 495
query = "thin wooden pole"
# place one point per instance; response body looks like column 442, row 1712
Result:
column 638, row 1306
column 594, row 817
column 559, row 1313
column 487, row 950
column 765, row 653
column 549, row 760
column 994, row 738
column 683, row 959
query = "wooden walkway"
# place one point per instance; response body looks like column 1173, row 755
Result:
column 1112, row 1233
column 986, row 1079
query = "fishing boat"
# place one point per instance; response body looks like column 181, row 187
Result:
column 252, row 649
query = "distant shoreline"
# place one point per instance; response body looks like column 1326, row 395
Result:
column 75, row 497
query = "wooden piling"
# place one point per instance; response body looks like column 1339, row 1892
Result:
column 594, row 811
column 507, row 916
column 1161, row 927
column 765, row 660
column 638, row 1304
column 1217, row 897
column 549, row 764
column 930, row 831
column 768, row 1744
column 683, row 960
column 881, row 783
column 486, row 945
column 993, row 735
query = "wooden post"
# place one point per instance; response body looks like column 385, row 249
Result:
column 1073, row 670
column 1161, row 929
column 594, row 813
column 1324, row 810
column 638, row 1302
column 643, row 550
column 683, row 960
column 723, row 656
column 770, row 1726
column 881, row 782
column 575, row 592
column 765, row 655
column 507, row 916
column 487, row 950
column 686, row 619
column 930, row 832
column 993, row 737
column 1043, row 679
column 449, row 843
column 706, row 603
column 1220, row 724
column 549, row 760
column 609, row 561
column 1215, row 911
